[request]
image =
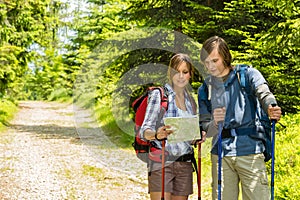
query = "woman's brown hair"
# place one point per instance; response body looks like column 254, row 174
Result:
column 175, row 62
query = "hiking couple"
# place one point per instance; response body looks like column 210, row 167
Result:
column 242, row 152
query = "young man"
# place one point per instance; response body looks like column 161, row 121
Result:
column 242, row 152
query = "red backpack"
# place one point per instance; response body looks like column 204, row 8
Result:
column 144, row 150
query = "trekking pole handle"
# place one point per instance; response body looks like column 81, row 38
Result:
column 274, row 105
column 162, row 139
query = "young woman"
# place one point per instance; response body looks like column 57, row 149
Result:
column 178, row 166
column 242, row 152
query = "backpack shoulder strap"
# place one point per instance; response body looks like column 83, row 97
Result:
column 241, row 70
column 163, row 96
column 245, row 84
column 204, row 95
column 163, row 91
column 164, row 101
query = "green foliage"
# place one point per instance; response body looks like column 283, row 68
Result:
column 193, row 18
column 99, row 22
column 265, row 34
column 104, row 114
column 95, row 172
column 287, row 162
column 241, row 20
column 11, row 69
column 24, row 24
column 277, row 53
column 60, row 94
column 50, row 78
column 7, row 110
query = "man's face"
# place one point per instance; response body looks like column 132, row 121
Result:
column 214, row 63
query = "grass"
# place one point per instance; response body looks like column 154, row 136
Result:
column 7, row 111
column 205, row 170
column 5, row 169
column 287, row 158
column 71, row 193
column 99, row 175
column 60, row 95
column 105, row 117
column 95, row 172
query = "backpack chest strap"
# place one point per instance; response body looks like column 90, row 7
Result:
column 227, row 133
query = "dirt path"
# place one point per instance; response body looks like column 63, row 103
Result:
column 46, row 155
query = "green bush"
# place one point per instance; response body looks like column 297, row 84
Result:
column 61, row 94
column 7, row 110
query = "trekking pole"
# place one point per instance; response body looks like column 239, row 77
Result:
column 199, row 171
column 163, row 170
column 273, row 156
column 199, row 165
column 220, row 128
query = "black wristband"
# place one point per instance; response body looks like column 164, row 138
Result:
column 157, row 137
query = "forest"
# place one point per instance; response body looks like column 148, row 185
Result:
column 101, row 54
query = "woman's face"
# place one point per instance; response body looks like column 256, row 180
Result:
column 214, row 63
column 181, row 76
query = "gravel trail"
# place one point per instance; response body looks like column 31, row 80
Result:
column 44, row 154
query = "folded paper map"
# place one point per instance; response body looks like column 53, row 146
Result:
column 185, row 128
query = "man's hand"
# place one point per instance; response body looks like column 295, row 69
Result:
column 274, row 112
column 219, row 115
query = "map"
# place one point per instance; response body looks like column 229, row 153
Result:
column 185, row 128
